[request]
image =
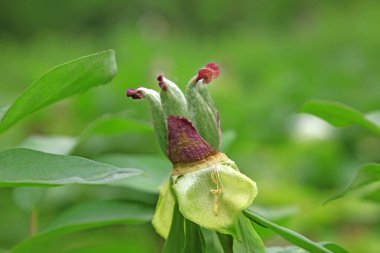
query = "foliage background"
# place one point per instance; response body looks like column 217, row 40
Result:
column 275, row 56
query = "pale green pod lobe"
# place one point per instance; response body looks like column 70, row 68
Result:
column 158, row 117
column 163, row 215
column 172, row 98
column 206, row 95
column 206, row 75
column 213, row 193
column 202, row 115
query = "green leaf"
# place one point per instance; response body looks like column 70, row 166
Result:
column 287, row 234
column 29, row 167
column 85, row 216
column 339, row 115
column 373, row 196
column 366, row 175
column 61, row 82
column 155, row 170
column 250, row 241
column 226, row 241
column 333, row 247
column 175, row 242
column 212, row 243
column 194, row 238
column 184, row 235
column 287, row 249
column 3, row 110
column 294, row 249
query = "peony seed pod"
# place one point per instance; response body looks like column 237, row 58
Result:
column 207, row 186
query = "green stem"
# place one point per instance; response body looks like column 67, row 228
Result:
column 287, row 234
column 33, row 222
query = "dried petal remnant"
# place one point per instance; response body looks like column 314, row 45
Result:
column 185, row 144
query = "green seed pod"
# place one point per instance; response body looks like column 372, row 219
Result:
column 172, row 99
column 158, row 117
column 202, row 116
column 205, row 184
column 201, row 108
column 205, row 93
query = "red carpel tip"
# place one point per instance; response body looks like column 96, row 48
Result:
column 208, row 73
column 134, row 94
column 215, row 68
column 161, row 82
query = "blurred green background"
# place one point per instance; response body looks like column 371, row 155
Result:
column 274, row 56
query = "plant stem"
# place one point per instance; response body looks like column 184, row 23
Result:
column 287, row 234
column 33, row 222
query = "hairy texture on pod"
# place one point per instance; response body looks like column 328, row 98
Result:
column 202, row 115
column 172, row 99
column 158, row 118
column 201, row 108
